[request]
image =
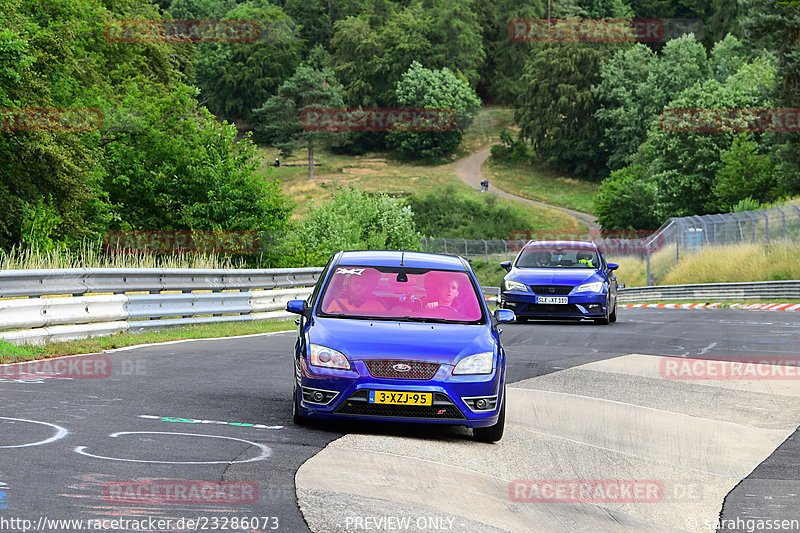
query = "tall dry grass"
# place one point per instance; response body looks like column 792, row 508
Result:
column 715, row 264
column 91, row 254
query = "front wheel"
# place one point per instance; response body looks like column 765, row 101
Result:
column 613, row 316
column 493, row 433
column 297, row 418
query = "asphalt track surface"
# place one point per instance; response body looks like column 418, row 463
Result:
column 219, row 410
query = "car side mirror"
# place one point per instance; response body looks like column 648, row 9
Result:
column 504, row 315
column 612, row 266
column 506, row 265
column 298, row 307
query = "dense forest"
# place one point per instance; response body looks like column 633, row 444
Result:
column 162, row 133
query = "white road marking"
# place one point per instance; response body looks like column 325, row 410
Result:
column 266, row 451
column 60, row 432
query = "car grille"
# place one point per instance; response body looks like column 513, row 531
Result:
column 382, row 368
column 443, row 408
column 552, row 290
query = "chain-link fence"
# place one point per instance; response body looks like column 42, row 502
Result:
column 677, row 237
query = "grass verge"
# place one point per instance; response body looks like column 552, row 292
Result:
column 714, row 264
column 11, row 353
column 529, row 181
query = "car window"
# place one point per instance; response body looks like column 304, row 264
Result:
column 409, row 294
column 558, row 257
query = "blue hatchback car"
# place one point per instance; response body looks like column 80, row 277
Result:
column 560, row 280
column 400, row 336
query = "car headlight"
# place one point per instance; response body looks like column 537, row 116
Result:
column 480, row 363
column 329, row 358
column 511, row 285
column 595, row 286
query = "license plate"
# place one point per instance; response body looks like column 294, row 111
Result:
column 552, row 300
column 400, row 398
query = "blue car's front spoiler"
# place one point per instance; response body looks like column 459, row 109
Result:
column 586, row 305
column 353, row 390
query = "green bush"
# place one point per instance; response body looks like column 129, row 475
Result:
column 460, row 215
column 355, row 220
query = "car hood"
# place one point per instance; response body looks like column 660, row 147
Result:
column 378, row 339
column 554, row 276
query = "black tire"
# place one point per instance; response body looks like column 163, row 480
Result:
column 493, row 433
column 297, row 418
column 605, row 320
column 613, row 316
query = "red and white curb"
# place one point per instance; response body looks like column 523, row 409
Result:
column 754, row 307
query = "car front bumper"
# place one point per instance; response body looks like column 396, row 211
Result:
column 346, row 396
column 581, row 305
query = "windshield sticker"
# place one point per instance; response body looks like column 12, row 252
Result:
column 356, row 271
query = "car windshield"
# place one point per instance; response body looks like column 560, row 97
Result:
column 412, row 295
column 558, row 257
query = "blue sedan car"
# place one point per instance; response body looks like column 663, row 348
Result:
column 560, row 280
column 400, row 336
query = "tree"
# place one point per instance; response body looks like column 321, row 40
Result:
column 775, row 26
column 625, row 200
column 182, row 169
column 636, row 84
column 505, row 58
column 235, row 78
column 684, row 164
column 424, row 88
column 556, row 106
column 317, row 17
column 745, row 173
column 279, row 119
column 355, row 220
column 455, row 37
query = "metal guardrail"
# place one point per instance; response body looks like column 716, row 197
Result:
column 58, row 305
column 751, row 290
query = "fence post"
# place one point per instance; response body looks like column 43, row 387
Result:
column 753, row 220
column 466, row 251
column 505, row 243
column 783, row 219
column 649, row 273
column 445, row 245
column 798, row 217
column 485, row 250
column 766, row 225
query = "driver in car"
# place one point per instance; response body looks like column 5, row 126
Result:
column 446, row 293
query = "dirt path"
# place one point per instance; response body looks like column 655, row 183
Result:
column 469, row 171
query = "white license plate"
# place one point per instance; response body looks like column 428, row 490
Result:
column 552, row 300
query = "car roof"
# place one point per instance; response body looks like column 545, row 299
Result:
column 392, row 258
column 576, row 244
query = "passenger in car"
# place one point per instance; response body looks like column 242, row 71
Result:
column 359, row 294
